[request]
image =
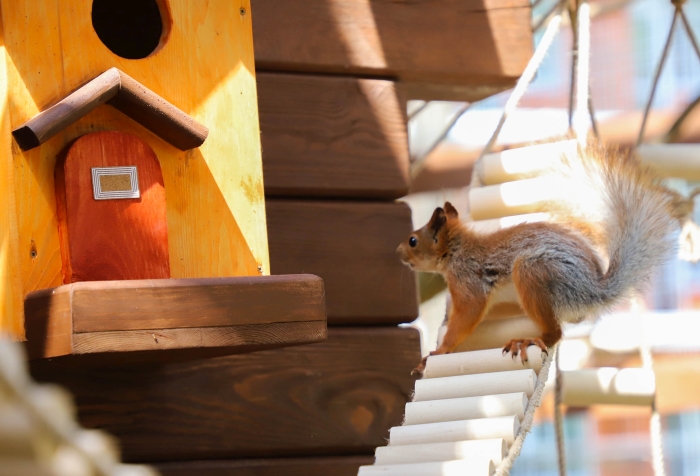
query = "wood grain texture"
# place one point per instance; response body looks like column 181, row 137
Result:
column 452, row 42
column 320, row 466
column 325, row 136
column 139, row 315
column 11, row 295
column 352, row 246
column 172, row 303
column 238, row 338
column 336, row 397
column 214, row 194
column 77, row 104
column 126, row 94
column 104, row 240
column 158, row 115
column 49, row 327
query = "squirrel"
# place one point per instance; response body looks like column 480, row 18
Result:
column 558, row 268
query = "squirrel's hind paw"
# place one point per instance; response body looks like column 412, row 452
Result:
column 519, row 346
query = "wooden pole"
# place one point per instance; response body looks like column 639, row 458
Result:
column 475, row 385
column 445, row 468
column 477, row 362
column 481, row 429
column 467, row 408
column 490, row 450
column 607, row 385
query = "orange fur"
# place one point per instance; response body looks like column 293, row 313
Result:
column 559, row 269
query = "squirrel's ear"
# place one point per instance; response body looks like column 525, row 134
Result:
column 437, row 220
column 450, row 211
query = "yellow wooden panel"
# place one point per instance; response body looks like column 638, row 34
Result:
column 215, row 199
column 10, row 281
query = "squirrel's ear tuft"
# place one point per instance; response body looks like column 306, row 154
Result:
column 450, row 211
column 437, row 220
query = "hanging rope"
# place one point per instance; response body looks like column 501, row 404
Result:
column 559, row 419
column 656, row 434
column 583, row 30
column 528, row 75
column 506, row 464
column 689, row 243
column 659, row 69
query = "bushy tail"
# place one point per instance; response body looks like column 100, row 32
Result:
column 635, row 216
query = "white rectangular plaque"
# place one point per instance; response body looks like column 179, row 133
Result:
column 110, row 183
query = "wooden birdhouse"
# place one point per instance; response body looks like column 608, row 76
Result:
column 132, row 213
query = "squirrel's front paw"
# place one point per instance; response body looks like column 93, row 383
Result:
column 421, row 367
column 519, row 346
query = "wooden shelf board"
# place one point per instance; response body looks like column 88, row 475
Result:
column 244, row 313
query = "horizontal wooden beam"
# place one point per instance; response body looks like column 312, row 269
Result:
column 325, row 136
column 336, row 397
column 124, row 93
column 352, row 246
column 121, row 316
column 320, row 466
column 472, row 48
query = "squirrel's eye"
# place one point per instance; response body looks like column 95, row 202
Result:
column 413, row 241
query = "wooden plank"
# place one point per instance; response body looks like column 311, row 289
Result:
column 325, row 136
column 176, row 303
column 214, row 194
column 140, row 315
column 126, row 94
column 240, row 338
column 474, row 43
column 158, row 115
column 320, row 466
column 77, row 104
column 52, row 333
column 104, row 240
column 340, row 396
column 352, row 246
column 10, row 276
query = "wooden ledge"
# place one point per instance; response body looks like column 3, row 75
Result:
column 127, row 95
column 140, row 315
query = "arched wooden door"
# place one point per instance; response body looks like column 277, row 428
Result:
column 111, row 210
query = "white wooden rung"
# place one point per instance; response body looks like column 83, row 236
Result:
column 609, row 386
column 479, row 362
column 444, row 468
column 514, row 198
column 481, row 429
column 488, row 450
column 672, row 160
column 523, row 162
column 495, row 383
column 467, row 408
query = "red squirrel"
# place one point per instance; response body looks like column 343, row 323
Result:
column 557, row 268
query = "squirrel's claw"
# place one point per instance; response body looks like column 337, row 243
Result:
column 420, row 368
column 516, row 346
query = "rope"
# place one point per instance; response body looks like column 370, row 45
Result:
column 657, row 74
column 528, row 75
column 657, row 449
column 583, row 31
column 507, row 463
column 559, row 419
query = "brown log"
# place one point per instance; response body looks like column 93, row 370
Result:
column 471, row 47
column 319, row 466
column 352, row 246
column 336, row 397
column 121, row 316
column 124, row 93
column 328, row 136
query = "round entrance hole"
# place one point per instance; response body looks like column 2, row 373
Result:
column 132, row 29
